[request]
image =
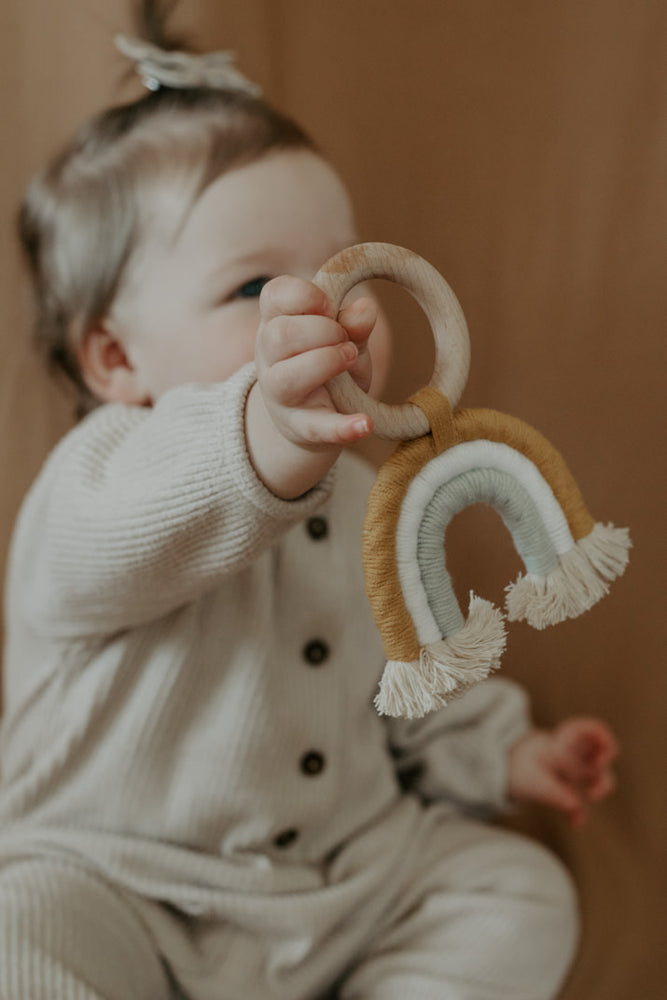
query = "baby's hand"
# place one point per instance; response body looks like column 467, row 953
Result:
column 567, row 767
column 293, row 430
column 300, row 345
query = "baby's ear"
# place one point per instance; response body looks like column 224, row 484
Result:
column 106, row 367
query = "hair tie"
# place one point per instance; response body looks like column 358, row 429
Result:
column 180, row 70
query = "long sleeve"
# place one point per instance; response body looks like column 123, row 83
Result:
column 145, row 509
column 460, row 752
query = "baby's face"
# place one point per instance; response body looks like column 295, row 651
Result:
column 190, row 311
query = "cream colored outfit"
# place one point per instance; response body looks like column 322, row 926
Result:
column 196, row 793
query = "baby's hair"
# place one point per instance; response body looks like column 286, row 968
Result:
column 82, row 217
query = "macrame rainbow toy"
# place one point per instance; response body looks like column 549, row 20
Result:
column 447, row 461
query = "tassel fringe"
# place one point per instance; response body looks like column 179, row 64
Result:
column 608, row 549
column 445, row 669
column 581, row 580
column 405, row 690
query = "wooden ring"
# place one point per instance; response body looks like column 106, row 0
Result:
column 341, row 273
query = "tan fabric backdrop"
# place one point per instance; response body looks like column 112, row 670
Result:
column 519, row 145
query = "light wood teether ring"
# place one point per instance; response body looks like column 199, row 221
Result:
column 346, row 269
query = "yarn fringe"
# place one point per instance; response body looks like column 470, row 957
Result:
column 446, row 668
column 580, row 581
column 608, row 549
column 405, row 690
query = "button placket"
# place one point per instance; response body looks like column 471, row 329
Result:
column 312, row 651
column 311, row 764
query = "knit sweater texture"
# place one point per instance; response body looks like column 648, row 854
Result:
column 190, row 664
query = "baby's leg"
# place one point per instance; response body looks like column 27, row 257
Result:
column 67, row 935
column 487, row 915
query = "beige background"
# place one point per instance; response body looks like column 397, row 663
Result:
column 519, row 145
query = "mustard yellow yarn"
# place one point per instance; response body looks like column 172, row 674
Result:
column 493, row 426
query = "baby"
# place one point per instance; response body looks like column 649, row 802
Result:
column 198, row 798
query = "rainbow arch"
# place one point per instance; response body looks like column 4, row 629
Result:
column 434, row 652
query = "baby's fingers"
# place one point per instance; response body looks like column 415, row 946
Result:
column 287, row 296
column 319, row 426
column 586, row 744
column 557, row 792
column 600, row 786
column 286, row 337
column 359, row 318
column 584, row 753
column 292, row 381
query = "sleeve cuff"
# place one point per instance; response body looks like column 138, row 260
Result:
column 248, row 483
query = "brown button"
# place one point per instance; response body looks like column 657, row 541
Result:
column 317, row 528
column 286, row 838
column 312, row 762
column 316, row 652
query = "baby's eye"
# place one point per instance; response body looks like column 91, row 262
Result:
column 251, row 289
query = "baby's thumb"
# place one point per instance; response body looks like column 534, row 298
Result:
column 358, row 319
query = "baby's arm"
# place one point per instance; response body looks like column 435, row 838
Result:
column 293, row 431
column 482, row 752
column 459, row 753
column 141, row 510
column 566, row 767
